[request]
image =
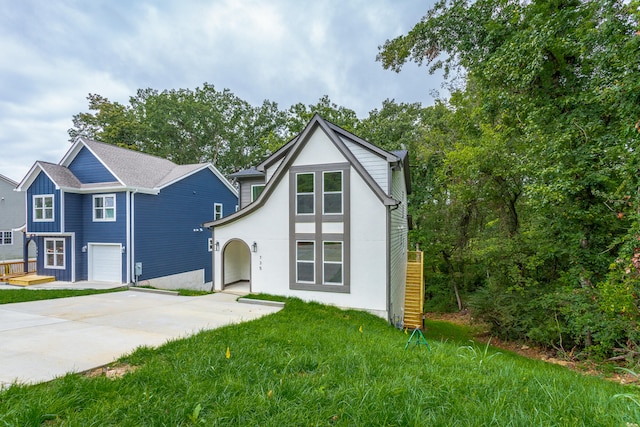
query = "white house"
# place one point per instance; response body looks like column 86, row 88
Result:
column 323, row 219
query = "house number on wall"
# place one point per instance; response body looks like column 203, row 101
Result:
column 260, row 263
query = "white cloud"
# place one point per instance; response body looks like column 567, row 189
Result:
column 287, row 51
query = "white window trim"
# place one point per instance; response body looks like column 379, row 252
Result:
column 104, row 208
column 306, row 262
column 341, row 192
column 53, row 208
column 341, row 263
column 64, row 256
column 4, row 233
column 252, row 191
column 312, row 194
column 216, row 214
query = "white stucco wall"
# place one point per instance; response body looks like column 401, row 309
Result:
column 269, row 228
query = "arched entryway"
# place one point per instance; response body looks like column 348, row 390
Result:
column 236, row 263
column 30, row 254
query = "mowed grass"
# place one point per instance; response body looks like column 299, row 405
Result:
column 9, row 296
column 314, row 365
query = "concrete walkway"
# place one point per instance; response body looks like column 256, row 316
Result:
column 42, row 340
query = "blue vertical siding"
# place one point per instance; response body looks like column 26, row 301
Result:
column 74, row 222
column 42, row 185
column 105, row 231
column 88, row 169
column 166, row 242
column 62, row 275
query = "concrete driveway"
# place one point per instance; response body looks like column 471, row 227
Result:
column 42, row 340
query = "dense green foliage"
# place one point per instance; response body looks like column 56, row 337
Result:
column 313, row 365
column 525, row 180
column 534, row 211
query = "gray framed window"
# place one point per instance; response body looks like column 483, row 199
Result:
column 256, row 190
column 305, row 185
column 217, row 211
column 6, row 237
column 305, row 261
column 332, row 192
column 332, row 260
column 54, row 253
column 104, row 207
column 43, row 207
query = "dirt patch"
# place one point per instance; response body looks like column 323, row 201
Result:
column 111, row 372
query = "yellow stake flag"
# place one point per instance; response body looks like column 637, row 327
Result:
column 360, row 329
column 405, row 331
column 228, row 353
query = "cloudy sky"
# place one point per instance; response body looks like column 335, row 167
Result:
column 54, row 53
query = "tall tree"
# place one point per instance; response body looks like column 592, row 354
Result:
column 554, row 87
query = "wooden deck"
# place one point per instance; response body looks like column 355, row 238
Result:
column 31, row 279
column 13, row 273
column 414, row 292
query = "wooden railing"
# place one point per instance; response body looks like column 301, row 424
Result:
column 9, row 270
column 414, row 291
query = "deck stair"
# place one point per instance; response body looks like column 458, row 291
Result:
column 414, row 291
column 13, row 273
column 31, row 279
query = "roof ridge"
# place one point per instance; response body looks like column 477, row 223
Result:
column 139, row 152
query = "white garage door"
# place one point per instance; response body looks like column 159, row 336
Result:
column 105, row 263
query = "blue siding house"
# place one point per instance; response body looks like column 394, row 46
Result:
column 110, row 214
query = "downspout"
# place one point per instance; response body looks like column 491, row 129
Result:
column 131, row 238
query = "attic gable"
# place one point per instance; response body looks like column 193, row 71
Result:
column 287, row 154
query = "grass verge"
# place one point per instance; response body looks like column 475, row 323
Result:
column 9, row 296
column 311, row 364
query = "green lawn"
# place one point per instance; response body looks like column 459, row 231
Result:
column 314, row 365
column 8, row 296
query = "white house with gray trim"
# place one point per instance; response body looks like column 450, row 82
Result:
column 12, row 219
column 323, row 219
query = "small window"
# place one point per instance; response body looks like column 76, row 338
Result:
column 305, row 183
column 43, row 208
column 54, row 253
column 217, row 211
column 305, row 262
column 332, row 192
column 332, row 263
column 256, row 190
column 104, row 208
column 6, row 238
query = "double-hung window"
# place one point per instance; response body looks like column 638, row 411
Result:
column 332, row 263
column 104, row 207
column 54, row 253
column 6, row 238
column 217, row 211
column 332, row 192
column 305, row 262
column 305, row 184
column 43, row 208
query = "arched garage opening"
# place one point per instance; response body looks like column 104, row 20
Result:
column 236, row 263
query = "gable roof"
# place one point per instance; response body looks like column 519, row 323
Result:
column 288, row 152
column 132, row 170
column 8, row 181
